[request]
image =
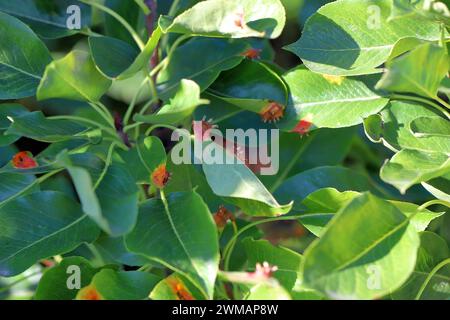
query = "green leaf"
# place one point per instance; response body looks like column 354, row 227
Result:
column 298, row 187
column 167, row 234
column 392, row 128
column 8, row 111
column 54, row 283
column 151, row 153
column 220, row 55
column 36, row 126
column 30, row 233
column 48, row 18
column 166, row 289
column 142, row 60
column 404, row 75
column 268, row 291
column 114, row 248
column 143, row 158
column 322, row 205
column 73, row 77
column 251, row 86
column 23, row 59
column 430, row 126
column 130, row 12
column 241, row 187
column 111, row 56
column 121, row 285
column 118, row 197
column 12, row 184
column 230, row 18
column 331, row 102
column 348, row 264
column 439, row 187
column 410, row 167
column 287, row 261
column 338, row 43
column 180, row 106
column 433, row 249
column 117, row 59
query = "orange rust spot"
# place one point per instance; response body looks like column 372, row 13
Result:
column 272, row 112
column 302, row 127
column 252, row 53
column 160, row 176
column 23, row 160
column 89, row 293
column 180, row 290
column 222, row 216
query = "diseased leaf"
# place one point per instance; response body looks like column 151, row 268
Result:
column 121, row 285
column 287, row 261
column 230, row 18
column 331, row 102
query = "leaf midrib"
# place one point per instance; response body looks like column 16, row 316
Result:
column 172, row 224
column 315, row 103
column 365, row 251
column 21, row 70
column 45, row 238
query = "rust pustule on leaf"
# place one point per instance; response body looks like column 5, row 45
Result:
column 272, row 112
column 160, row 176
column 24, row 160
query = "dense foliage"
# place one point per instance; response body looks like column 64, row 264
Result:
column 94, row 206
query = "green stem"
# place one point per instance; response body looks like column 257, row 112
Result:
column 227, row 116
column 143, row 7
column 9, row 286
column 433, row 202
column 131, row 126
column 230, row 246
column 121, row 20
column 422, row 100
column 173, row 9
column 107, row 164
column 147, row 133
column 292, row 162
column 430, row 276
column 100, row 109
column 169, row 55
column 130, row 109
column 96, row 254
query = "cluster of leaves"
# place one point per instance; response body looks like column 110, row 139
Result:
column 103, row 194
